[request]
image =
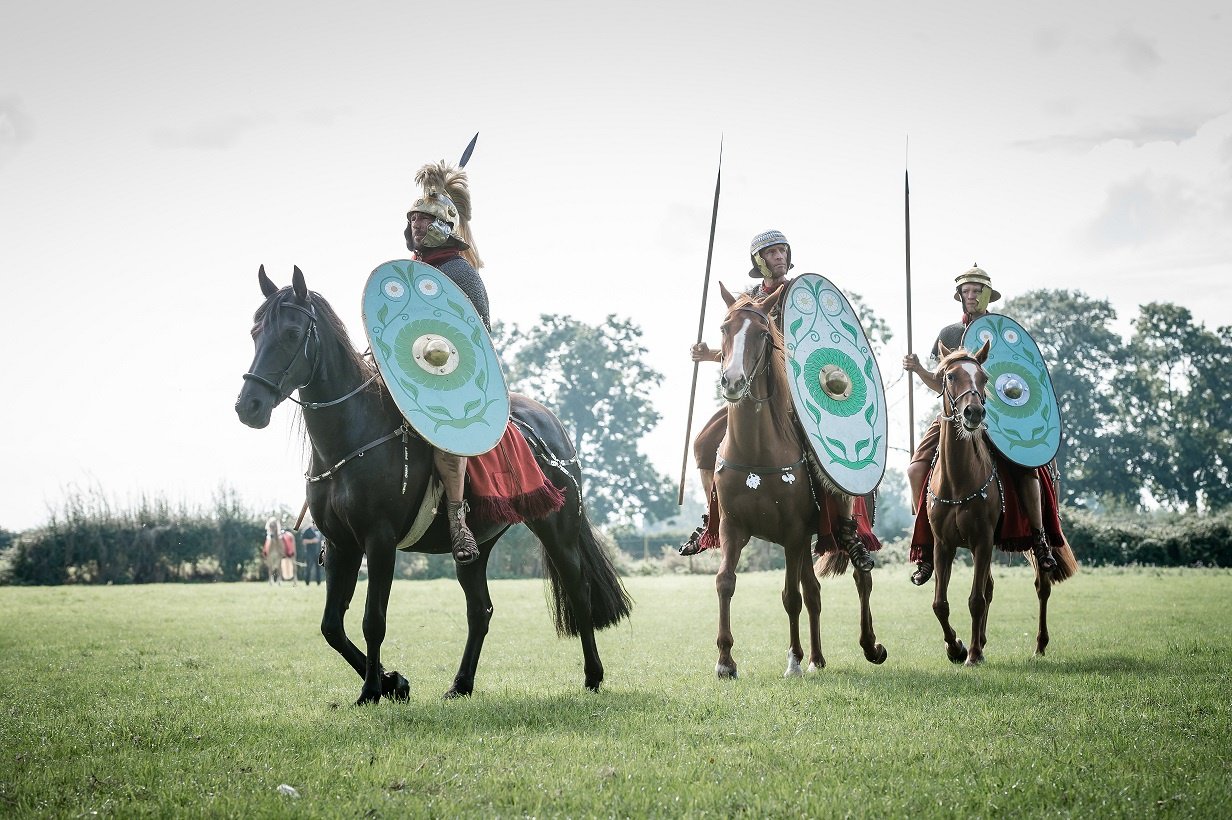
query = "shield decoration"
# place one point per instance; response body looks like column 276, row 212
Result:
column 835, row 384
column 1022, row 416
column 436, row 357
column 287, row 567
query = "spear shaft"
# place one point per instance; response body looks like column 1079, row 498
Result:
column 701, row 322
column 910, row 375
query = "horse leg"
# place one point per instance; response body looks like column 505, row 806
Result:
column 731, row 545
column 873, row 651
column 943, row 561
column 473, row 578
column 1043, row 590
column 341, row 573
column 811, row 589
column 792, row 604
column 977, row 602
column 381, row 561
column 987, row 609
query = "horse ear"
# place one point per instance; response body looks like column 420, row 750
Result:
column 727, row 297
column 772, row 301
column 267, row 287
column 942, row 349
column 297, row 283
column 981, row 355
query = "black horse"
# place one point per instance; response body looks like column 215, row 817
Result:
column 364, row 505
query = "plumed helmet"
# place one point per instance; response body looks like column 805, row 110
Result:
column 446, row 196
column 760, row 243
column 980, row 277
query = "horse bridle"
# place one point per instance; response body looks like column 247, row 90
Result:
column 762, row 361
column 953, row 417
column 280, row 388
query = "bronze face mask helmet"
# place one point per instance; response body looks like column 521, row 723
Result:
column 978, row 276
column 444, row 213
column 760, row 243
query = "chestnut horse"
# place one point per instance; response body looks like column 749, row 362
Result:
column 367, row 484
column 965, row 503
column 764, row 487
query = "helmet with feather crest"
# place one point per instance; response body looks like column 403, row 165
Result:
column 446, row 197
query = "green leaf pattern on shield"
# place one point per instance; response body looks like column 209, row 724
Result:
column 412, row 375
column 824, row 314
column 1001, row 416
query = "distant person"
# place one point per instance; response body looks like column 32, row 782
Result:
column 312, row 543
column 279, row 548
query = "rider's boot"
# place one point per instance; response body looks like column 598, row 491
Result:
column 923, row 570
column 849, row 540
column 694, row 545
column 462, row 540
column 1042, row 551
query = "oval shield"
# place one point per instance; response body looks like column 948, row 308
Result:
column 835, row 384
column 1023, row 420
column 436, row 357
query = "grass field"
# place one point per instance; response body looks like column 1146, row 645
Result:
column 183, row 700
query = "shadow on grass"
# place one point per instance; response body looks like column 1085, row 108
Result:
column 526, row 713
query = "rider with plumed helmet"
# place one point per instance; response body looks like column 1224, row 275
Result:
column 438, row 232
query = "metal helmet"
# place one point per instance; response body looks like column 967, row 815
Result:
column 978, row 276
column 760, row 243
column 444, row 213
column 446, row 198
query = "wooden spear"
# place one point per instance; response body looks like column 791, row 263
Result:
column 701, row 322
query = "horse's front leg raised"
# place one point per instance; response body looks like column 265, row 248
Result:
column 731, row 545
column 873, row 651
column 943, row 560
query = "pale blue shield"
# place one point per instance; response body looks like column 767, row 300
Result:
column 835, row 383
column 436, row 357
column 1023, row 420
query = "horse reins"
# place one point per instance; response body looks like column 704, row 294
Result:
column 953, row 418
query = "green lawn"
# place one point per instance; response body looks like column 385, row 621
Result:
column 184, row 700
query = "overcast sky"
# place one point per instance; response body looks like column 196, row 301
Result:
column 153, row 154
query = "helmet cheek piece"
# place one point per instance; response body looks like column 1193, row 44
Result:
column 438, row 234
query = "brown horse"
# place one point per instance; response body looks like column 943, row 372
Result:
column 965, row 502
column 764, row 488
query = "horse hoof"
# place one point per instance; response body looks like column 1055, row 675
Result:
column 366, row 698
column 725, row 672
column 878, row 655
column 817, row 667
column 395, row 687
column 956, row 653
column 793, row 666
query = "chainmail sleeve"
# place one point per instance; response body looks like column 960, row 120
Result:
column 468, row 279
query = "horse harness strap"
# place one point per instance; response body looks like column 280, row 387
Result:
column 982, row 492
column 404, row 431
column 786, row 474
column 541, row 449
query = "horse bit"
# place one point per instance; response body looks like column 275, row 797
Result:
column 762, row 362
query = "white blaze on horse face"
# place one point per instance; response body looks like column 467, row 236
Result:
column 973, row 370
column 734, row 372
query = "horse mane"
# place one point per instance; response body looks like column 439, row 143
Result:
column 325, row 315
column 980, row 442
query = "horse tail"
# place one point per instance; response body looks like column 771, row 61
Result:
column 609, row 601
column 832, row 564
column 1067, row 565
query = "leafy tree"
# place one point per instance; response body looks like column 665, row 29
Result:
column 1175, row 400
column 596, row 380
column 1084, row 356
